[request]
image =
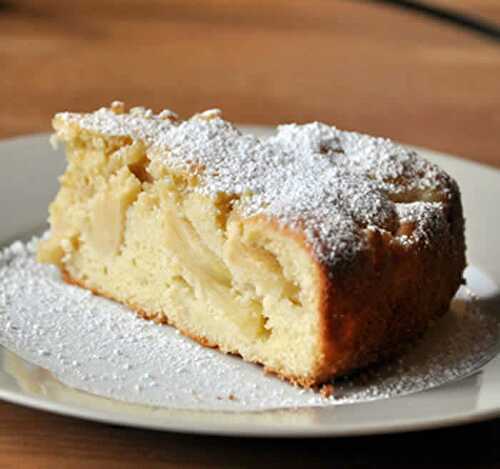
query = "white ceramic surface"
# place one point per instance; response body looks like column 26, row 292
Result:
column 28, row 181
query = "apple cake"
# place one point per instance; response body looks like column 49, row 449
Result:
column 314, row 252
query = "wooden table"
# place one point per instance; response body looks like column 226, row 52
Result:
column 352, row 63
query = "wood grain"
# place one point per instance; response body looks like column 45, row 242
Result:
column 33, row 439
column 353, row 63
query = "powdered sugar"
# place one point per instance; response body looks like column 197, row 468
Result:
column 331, row 183
column 101, row 347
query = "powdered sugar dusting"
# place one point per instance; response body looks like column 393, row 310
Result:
column 330, row 183
column 99, row 346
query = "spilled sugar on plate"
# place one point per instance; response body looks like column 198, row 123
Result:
column 101, row 347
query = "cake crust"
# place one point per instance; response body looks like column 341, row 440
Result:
column 369, row 289
column 408, row 288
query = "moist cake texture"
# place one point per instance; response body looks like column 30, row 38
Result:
column 314, row 252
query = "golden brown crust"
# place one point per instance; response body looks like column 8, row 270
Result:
column 407, row 287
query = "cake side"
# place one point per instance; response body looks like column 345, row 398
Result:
column 311, row 281
column 392, row 294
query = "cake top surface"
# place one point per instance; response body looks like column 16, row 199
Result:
column 333, row 185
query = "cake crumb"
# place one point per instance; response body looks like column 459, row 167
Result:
column 32, row 297
column 168, row 115
column 117, row 107
column 327, row 390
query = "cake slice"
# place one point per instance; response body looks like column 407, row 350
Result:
column 314, row 252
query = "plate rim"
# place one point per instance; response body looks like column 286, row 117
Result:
column 252, row 431
column 240, row 429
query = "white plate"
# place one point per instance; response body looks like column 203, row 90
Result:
column 28, row 181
